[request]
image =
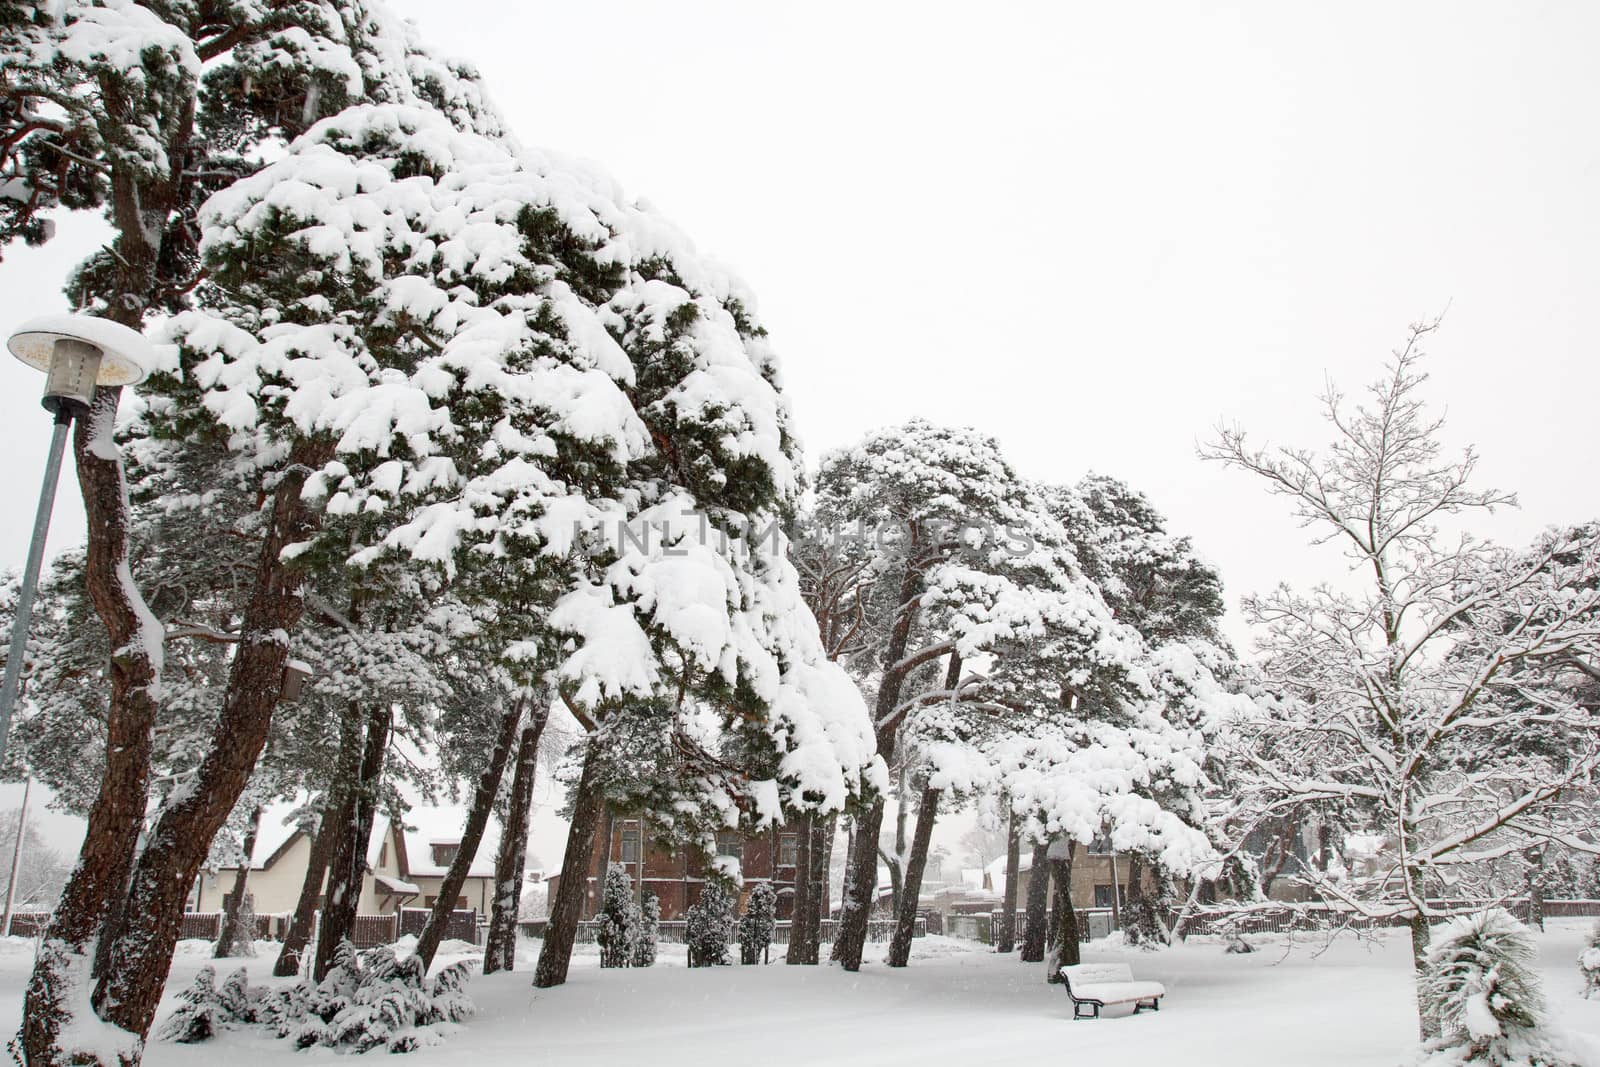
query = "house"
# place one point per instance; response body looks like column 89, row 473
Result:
column 1099, row 876
column 406, row 864
column 676, row 876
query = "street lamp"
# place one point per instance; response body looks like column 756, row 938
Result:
column 77, row 353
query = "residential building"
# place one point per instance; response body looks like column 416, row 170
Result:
column 406, row 864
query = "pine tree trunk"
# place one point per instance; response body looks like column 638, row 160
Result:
column 1064, row 927
column 94, row 893
column 821, row 857
column 1535, row 880
column 141, row 955
column 1006, row 936
column 349, row 864
column 229, row 928
column 860, row 890
column 801, row 951
column 500, row 952
column 305, row 909
column 1033, row 929
column 471, row 836
column 608, row 831
column 566, row 910
column 861, row 884
column 906, row 921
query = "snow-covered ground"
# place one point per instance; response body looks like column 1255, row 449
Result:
column 1300, row 1004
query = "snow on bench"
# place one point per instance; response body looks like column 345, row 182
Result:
column 1094, row 985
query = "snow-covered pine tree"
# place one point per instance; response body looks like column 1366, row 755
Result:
column 708, row 925
column 1589, row 962
column 757, row 923
column 644, row 946
column 617, row 924
column 1434, row 706
column 1481, row 989
column 971, row 559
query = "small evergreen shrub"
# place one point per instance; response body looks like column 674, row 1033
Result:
column 206, row 1010
column 755, row 928
column 617, row 925
column 1589, row 963
column 644, row 946
column 368, row 1000
column 708, row 926
column 1481, row 988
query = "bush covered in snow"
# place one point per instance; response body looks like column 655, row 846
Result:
column 1481, row 989
column 207, row 1010
column 708, row 926
column 241, row 933
column 368, row 1000
column 617, row 925
column 1589, row 962
column 644, row 946
column 755, row 928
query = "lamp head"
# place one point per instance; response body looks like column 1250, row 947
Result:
column 79, row 352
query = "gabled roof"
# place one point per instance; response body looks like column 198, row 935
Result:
column 424, row 828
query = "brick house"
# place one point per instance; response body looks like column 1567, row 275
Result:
column 676, row 876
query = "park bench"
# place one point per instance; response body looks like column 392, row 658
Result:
column 1094, row 985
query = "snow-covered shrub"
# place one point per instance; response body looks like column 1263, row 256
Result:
column 1480, row 987
column 644, row 946
column 1236, row 945
column 617, row 925
column 369, row 1000
column 755, row 928
column 708, row 926
column 1589, row 962
column 207, row 1010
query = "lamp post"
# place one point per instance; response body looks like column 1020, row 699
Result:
column 77, row 353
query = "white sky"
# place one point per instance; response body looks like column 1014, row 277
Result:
column 1092, row 230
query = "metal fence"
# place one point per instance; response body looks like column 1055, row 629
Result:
column 1095, row 923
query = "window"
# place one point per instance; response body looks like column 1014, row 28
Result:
column 383, row 854
column 445, row 855
column 1102, row 896
column 788, row 850
column 630, row 846
column 1100, row 845
column 461, row 902
column 729, row 844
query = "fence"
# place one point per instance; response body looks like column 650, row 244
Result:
column 1095, row 923
column 672, row 931
column 368, row 931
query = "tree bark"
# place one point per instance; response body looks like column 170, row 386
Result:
column 801, row 951
column 906, row 921
column 608, row 833
column 1033, row 930
column 1064, row 934
column 141, row 955
column 94, row 891
column 567, row 908
column 471, row 835
column 349, row 863
column 1006, row 936
column 305, row 909
column 861, row 884
column 500, row 953
column 229, row 931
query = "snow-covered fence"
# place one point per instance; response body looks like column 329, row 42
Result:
column 672, row 930
column 207, row 925
column 463, row 925
column 1307, row 918
column 981, row 926
column 28, row 923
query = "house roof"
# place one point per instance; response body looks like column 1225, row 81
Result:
column 395, row 887
column 423, row 828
